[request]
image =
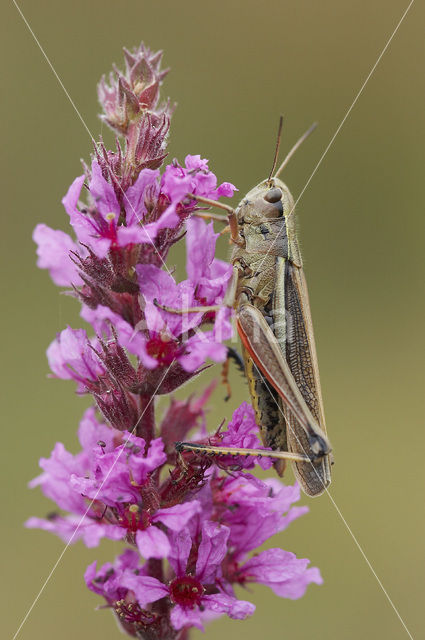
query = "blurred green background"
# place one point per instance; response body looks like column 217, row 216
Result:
column 235, row 67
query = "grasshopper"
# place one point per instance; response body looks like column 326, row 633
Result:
column 269, row 293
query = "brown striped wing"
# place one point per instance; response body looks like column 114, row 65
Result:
column 301, row 357
column 266, row 352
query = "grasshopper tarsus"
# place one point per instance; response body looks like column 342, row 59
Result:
column 234, row 355
column 225, row 379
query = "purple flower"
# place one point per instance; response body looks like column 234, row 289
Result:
column 208, row 557
column 100, row 227
column 189, row 528
column 71, row 357
column 107, row 581
column 255, row 508
column 119, row 481
column 108, row 483
column 133, row 340
column 242, row 432
column 209, row 275
column 55, row 482
column 194, row 178
column 53, row 250
column 287, row 575
column 188, row 591
column 184, row 415
column 173, row 336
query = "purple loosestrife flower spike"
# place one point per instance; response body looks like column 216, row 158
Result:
column 190, row 526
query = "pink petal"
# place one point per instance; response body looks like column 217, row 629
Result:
column 145, row 588
column 134, row 199
column 287, row 575
column 180, row 550
column 70, row 200
column 182, row 617
column 102, row 192
column 176, row 517
column 56, row 361
column 199, row 348
column 200, row 248
column 53, row 251
column 91, row 431
column 153, row 543
column 129, row 559
column 211, row 551
column 293, row 514
column 92, row 534
column 154, row 282
column 142, row 465
column 81, row 223
column 222, row 603
column 129, row 337
column 196, row 162
column 226, row 189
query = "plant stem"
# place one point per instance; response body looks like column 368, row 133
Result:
column 146, row 426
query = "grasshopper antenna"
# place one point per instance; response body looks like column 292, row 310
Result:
column 276, row 153
column 294, row 148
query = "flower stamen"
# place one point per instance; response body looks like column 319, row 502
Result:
column 186, row 591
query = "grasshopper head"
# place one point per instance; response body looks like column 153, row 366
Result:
column 269, row 200
column 266, row 220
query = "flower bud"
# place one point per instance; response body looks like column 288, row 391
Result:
column 134, row 91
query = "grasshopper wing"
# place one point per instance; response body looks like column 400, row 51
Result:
column 303, row 432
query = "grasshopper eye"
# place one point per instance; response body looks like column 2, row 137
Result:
column 273, row 195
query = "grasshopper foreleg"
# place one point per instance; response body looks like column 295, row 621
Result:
column 214, row 307
column 228, row 300
column 232, row 217
column 207, row 215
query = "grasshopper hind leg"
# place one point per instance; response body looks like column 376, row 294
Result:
column 211, row 451
column 273, row 426
column 233, row 355
column 268, row 412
